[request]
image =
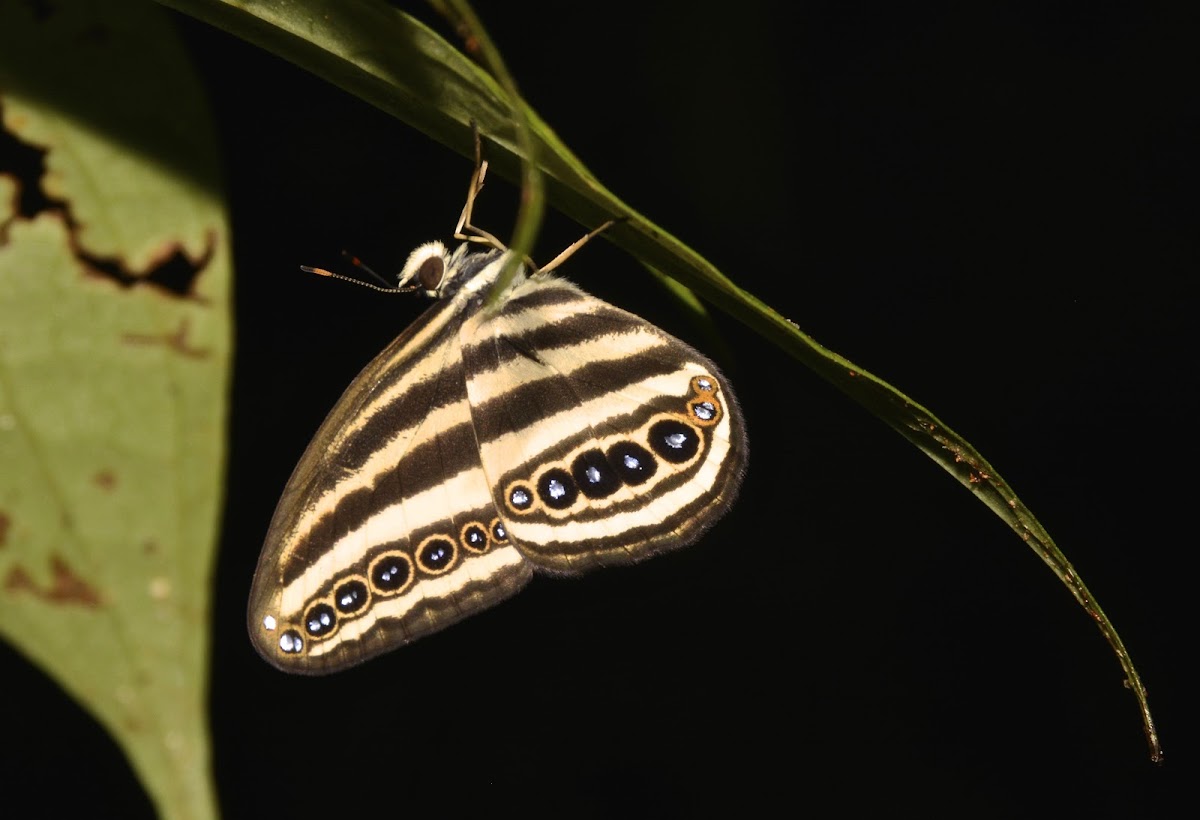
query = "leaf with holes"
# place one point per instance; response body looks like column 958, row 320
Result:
column 114, row 353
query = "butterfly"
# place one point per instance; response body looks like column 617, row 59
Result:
column 534, row 430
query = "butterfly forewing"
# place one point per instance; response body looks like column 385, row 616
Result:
column 551, row 431
column 386, row 531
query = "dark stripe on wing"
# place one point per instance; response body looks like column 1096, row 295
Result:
column 529, row 403
column 546, row 295
column 424, row 466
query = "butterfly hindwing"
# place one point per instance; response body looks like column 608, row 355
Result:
column 605, row 439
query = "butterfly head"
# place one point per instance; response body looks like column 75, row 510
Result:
column 440, row 272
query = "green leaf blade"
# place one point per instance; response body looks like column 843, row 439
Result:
column 113, row 383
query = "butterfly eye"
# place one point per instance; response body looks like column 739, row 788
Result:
column 430, row 273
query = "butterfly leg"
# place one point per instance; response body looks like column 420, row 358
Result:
column 569, row 251
column 464, row 229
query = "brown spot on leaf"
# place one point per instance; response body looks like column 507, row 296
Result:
column 105, row 480
column 24, row 162
column 170, row 269
column 18, row 579
column 176, row 341
column 65, row 586
column 5, row 522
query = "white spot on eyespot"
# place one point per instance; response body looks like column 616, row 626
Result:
column 676, row 440
column 593, row 475
column 556, row 488
column 632, row 462
column 290, row 643
column 321, row 621
column 269, row 622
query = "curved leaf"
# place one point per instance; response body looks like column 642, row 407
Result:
column 114, row 353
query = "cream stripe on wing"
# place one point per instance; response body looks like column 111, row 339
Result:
column 416, row 371
column 490, row 384
column 515, row 448
column 393, row 523
column 383, row 460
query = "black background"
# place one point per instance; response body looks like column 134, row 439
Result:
column 987, row 204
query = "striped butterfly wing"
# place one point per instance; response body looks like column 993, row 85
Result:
column 552, row 431
column 605, row 439
column 386, row 530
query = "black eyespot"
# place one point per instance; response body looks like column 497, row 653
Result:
column 674, row 441
column 391, row 572
column 704, row 410
column 350, row 596
column 430, row 272
column 633, row 462
column 475, row 538
column 556, row 489
column 291, row 642
column 320, row 620
column 520, row 498
column 436, row 555
column 594, row 475
column 499, row 533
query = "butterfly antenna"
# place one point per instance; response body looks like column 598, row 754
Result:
column 386, row 287
column 362, row 266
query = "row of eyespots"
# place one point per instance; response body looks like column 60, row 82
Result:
column 598, row 474
column 704, row 407
column 390, row 574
